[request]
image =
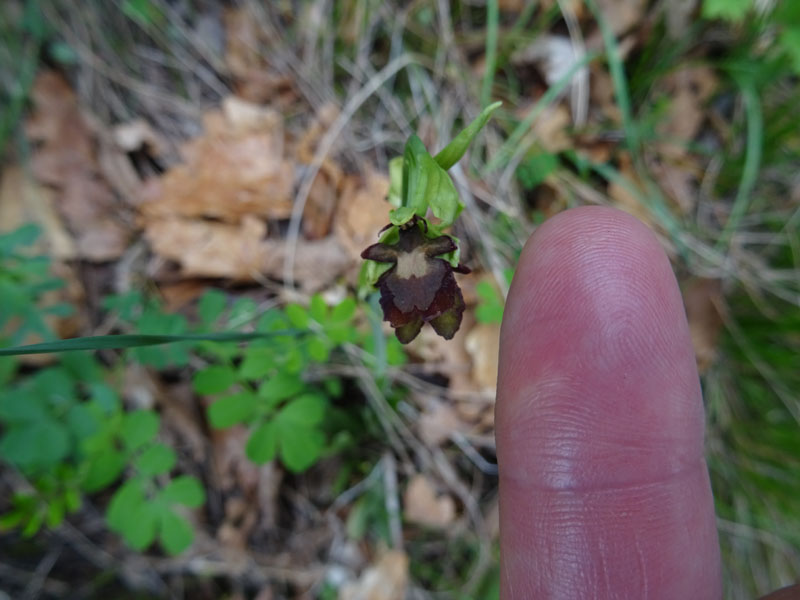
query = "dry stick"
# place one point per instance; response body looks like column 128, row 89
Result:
column 391, row 500
column 20, row 577
column 325, row 146
column 255, row 572
column 39, row 576
column 580, row 84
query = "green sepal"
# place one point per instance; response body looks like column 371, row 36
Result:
column 401, row 216
column 427, row 185
column 395, row 195
column 451, row 153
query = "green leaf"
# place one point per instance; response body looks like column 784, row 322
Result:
column 300, row 447
column 210, row 306
column 490, row 307
column 231, row 410
column 104, row 468
column 280, row 387
column 19, row 408
column 427, row 185
column 34, row 525
column 177, row 533
column 305, row 411
column 104, row 397
column 140, row 527
column 157, row 459
column 37, row 445
column 536, row 169
column 297, row 315
column 318, row 309
column 730, row 10
column 319, row 349
column 10, row 520
column 72, row 499
column 257, row 362
column 125, row 500
column 23, row 236
column 790, row 41
column 185, row 490
column 214, row 380
column 82, row 423
column 263, row 443
column 451, row 153
column 55, row 512
column 138, row 428
column 344, row 311
column 143, row 12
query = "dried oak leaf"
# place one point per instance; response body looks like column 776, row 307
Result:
column 237, row 168
column 66, row 158
column 419, row 288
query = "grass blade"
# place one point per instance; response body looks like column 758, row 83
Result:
column 104, row 342
column 492, row 27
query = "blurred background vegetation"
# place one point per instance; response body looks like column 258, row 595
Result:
column 188, row 166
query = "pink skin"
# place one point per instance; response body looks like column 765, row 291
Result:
column 604, row 491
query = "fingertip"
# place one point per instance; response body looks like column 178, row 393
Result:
column 599, row 404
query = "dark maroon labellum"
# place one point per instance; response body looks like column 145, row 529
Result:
column 419, row 288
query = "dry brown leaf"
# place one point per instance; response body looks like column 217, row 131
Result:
column 423, row 506
column 551, row 129
column 688, row 88
column 703, row 299
column 601, row 94
column 255, row 80
column 437, row 423
column 387, row 579
column 621, row 15
column 678, row 179
column 307, row 144
column 137, row 135
column 241, row 252
column 577, row 7
column 321, row 203
column 240, row 519
column 23, row 201
column 363, row 211
column 483, row 346
column 623, row 196
column 679, row 15
column 237, row 168
column 66, row 159
column 675, row 169
column 448, row 357
column 208, row 249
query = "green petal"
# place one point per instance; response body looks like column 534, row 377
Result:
column 406, row 333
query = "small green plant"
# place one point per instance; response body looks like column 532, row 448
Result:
column 264, row 386
column 490, row 302
column 64, row 430
column 784, row 16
